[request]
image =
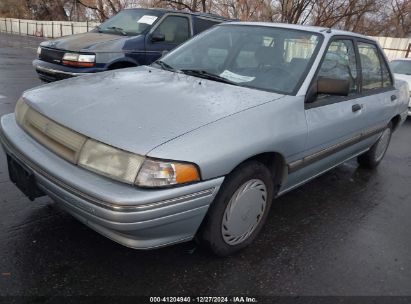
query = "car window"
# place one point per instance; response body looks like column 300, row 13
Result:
column 247, row 57
column 401, row 67
column 294, row 53
column 175, row 29
column 340, row 63
column 131, row 22
column 217, row 56
column 204, row 24
column 386, row 76
column 273, row 59
column 372, row 74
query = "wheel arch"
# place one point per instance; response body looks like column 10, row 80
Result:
column 122, row 63
column 396, row 120
column 275, row 162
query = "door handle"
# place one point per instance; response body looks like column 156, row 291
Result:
column 356, row 107
column 393, row 97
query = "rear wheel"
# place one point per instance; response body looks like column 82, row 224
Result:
column 239, row 210
column 372, row 158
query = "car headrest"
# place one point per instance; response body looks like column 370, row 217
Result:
column 267, row 55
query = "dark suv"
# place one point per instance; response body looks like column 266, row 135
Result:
column 132, row 37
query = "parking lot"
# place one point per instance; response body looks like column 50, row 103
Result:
column 347, row 232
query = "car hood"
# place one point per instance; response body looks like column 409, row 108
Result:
column 138, row 109
column 82, row 42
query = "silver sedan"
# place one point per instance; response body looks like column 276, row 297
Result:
column 201, row 142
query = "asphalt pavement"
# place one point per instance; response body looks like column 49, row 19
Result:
column 346, row 233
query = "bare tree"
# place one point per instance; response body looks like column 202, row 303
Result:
column 13, row 9
column 400, row 19
column 293, row 11
column 257, row 10
column 347, row 15
column 370, row 17
column 104, row 8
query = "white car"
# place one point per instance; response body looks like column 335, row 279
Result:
column 402, row 70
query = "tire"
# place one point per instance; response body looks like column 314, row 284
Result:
column 231, row 223
column 372, row 158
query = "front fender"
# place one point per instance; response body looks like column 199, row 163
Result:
column 217, row 148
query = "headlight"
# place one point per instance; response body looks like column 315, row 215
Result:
column 20, row 110
column 155, row 173
column 79, row 60
column 39, row 51
column 109, row 161
column 131, row 168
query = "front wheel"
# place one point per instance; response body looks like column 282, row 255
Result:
column 372, row 158
column 239, row 210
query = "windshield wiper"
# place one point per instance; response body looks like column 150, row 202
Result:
column 117, row 29
column 208, row 75
column 166, row 66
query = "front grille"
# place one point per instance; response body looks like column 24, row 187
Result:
column 61, row 140
column 51, row 55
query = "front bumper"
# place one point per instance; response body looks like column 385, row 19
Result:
column 52, row 72
column 137, row 218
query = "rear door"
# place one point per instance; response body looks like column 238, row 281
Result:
column 379, row 95
column 175, row 28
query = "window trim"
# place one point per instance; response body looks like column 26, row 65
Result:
column 360, row 93
column 159, row 22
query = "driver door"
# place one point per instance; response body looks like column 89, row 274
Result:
column 333, row 121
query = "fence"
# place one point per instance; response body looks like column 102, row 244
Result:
column 48, row 29
column 393, row 47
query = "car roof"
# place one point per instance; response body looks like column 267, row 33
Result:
column 198, row 14
column 318, row 29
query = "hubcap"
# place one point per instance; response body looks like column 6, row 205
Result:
column 244, row 211
column 382, row 144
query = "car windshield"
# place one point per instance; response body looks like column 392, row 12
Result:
column 130, row 22
column 401, row 67
column 260, row 57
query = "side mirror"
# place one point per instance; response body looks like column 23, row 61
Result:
column 157, row 37
column 328, row 86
